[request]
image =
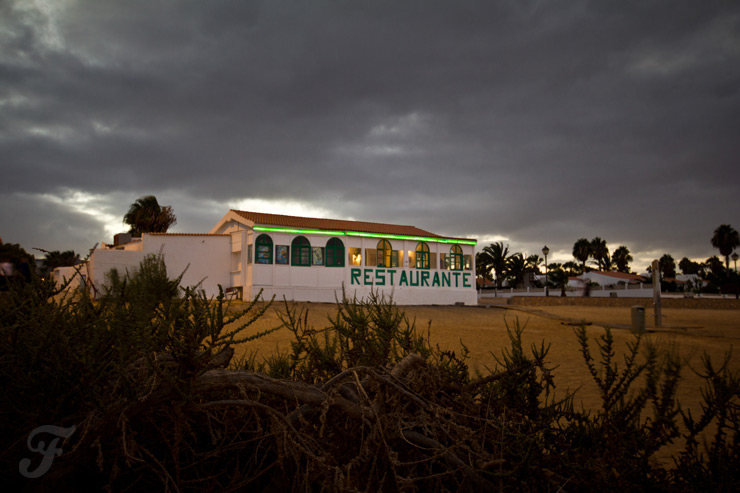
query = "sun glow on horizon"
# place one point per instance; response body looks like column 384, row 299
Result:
column 97, row 206
column 280, row 206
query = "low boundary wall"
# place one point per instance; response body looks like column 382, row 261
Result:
column 621, row 291
column 690, row 303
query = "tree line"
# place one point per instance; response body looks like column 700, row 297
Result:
column 497, row 262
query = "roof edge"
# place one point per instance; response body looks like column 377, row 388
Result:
column 286, row 223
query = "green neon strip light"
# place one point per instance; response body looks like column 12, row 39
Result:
column 299, row 231
column 364, row 235
column 414, row 238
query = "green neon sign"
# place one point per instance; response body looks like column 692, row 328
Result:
column 410, row 278
column 363, row 235
column 414, row 238
column 299, row 231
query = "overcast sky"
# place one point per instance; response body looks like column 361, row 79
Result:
column 528, row 122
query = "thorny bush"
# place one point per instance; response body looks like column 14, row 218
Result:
column 366, row 403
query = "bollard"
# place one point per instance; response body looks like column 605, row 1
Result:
column 638, row 319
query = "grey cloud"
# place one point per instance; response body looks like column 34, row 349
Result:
column 536, row 121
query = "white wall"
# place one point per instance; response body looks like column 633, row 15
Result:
column 102, row 261
column 64, row 274
column 324, row 284
column 633, row 291
column 204, row 259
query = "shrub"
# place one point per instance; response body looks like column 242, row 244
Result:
column 69, row 361
column 714, row 466
column 365, row 403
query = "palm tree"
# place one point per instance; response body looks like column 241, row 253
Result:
column 600, row 252
column 726, row 239
column 714, row 264
column 534, row 262
column 622, row 259
column 147, row 216
column 498, row 258
column 688, row 266
column 582, row 251
column 559, row 279
column 516, row 269
column 608, row 263
column 667, row 265
column 483, row 267
column 571, row 268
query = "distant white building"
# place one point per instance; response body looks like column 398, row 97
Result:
column 691, row 279
column 611, row 278
column 307, row 259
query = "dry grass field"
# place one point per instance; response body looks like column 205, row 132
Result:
column 690, row 332
column 483, row 330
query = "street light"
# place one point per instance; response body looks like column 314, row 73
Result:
column 545, row 251
column 734, row 258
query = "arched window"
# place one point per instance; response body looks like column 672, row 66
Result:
column 422, row 256
column 387, row 257
column 263, row 252
column 300, row 251
column 334, row 253
column 456, row 257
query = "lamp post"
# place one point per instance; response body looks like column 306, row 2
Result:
column 545, row 251
column 734, row 258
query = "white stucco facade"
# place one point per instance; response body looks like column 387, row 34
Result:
column 103, row 260
column 359, row 273
column 304, row 259
column 202, row 260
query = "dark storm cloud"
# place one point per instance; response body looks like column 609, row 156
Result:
column 533, row 121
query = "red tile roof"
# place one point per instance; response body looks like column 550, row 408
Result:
column 282, row 221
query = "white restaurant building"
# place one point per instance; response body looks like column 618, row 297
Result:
column 306, row 259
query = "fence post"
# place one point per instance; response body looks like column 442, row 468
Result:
column 656, row 293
